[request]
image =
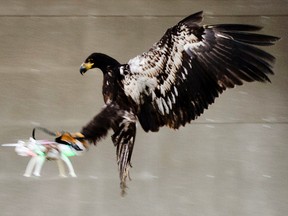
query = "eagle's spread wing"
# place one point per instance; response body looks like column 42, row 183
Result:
column 190, row 66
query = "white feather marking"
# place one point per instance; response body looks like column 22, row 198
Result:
column 173, row 98
column 175, row 90
column 122, row 70
column 177, row 59
column 134, row 64
column 137, row 85
column 185, row 71
column 153, row 95
column 222, row 36
column 165, row 106
column 108, row 101
column 160, row 105
column 169, row 103
column 183, row 76
column 162, row 90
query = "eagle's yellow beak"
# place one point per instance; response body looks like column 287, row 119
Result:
column 85, row 66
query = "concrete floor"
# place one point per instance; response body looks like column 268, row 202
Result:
column 231, row 161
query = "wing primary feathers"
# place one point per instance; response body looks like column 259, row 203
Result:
column 255, row 39
column 240, row 32
column 235, row 27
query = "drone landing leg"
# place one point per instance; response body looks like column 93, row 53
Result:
column 30, row 166
column 39, row 163
column 69, row 165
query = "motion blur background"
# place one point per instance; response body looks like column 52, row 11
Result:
column 231, row 161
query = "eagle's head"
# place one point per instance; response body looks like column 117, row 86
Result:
column 98, row 60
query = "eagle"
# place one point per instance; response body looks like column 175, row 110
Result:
column 174, row 81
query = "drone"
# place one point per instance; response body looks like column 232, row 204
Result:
column 45, row 150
